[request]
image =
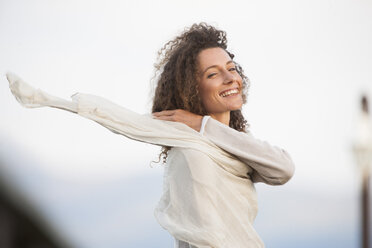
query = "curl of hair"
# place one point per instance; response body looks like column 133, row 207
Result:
column 176, row 74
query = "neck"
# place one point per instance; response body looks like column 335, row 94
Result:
column 222, row 117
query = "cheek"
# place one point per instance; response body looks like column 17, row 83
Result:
column 208, row 94
column 205, row 98
column 240, row 80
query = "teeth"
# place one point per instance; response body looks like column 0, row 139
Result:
column 229, row 92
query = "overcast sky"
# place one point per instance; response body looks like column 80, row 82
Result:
column 308, row 62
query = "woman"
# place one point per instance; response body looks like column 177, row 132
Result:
column 209, row 199
column 199, row 78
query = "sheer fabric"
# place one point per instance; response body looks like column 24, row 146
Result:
column 209, row 199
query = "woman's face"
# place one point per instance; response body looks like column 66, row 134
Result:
column 220, row 85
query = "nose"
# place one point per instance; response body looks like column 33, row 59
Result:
column 229, row 77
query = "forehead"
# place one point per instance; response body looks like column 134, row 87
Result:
column 213, row 56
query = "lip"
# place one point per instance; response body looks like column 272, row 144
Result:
column 237, row 88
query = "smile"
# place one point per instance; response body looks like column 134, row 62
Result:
column 229, row 92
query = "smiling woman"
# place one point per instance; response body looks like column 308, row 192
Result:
column 183, row 83
column 220, row 84
column 212, row 160
column 201, row 86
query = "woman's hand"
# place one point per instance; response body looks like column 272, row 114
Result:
column 179, row 115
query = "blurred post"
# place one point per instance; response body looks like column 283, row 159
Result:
column 362, row 149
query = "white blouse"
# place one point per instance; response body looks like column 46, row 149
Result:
column 209, row 199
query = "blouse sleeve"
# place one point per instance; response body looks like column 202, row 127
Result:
column 116, row 118
column 271, row 165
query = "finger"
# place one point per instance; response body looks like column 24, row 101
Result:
column 165, row 113
column 165, row 118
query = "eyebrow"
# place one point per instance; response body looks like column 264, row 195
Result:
column 212, row 66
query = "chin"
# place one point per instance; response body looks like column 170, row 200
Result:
column 236, row 106
column 235, row 109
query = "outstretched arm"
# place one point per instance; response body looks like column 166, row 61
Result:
column 33, row 98
column 110, row 115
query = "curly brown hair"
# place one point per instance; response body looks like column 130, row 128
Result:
column 176, row 74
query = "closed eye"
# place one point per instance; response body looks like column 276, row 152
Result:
column 211, row 75
column 232, row 69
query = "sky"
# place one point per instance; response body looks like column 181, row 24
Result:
column 308, row 62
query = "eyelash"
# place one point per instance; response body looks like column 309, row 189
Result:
column 212, row 74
